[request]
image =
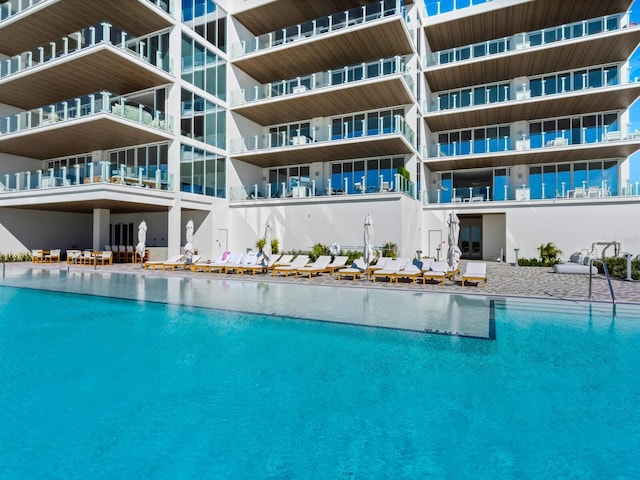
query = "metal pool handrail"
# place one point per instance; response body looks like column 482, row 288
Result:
column 606, row 272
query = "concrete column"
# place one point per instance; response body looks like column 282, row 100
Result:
column 174, row 227
column 101, row 219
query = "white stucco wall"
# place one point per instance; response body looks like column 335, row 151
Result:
column 24, row 230
column 300, row 225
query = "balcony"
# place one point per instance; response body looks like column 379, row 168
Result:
column 533, row 53
column 100, row 57
column 500, row 104
column 279, row 14
column 25, row 24
column 78, row 176
column 547, row 147
column 323, row 144
column 581, row 192
column 325, row 43
column 324, row 189
column 469, row 20
column 99, row 121
column 365, row 86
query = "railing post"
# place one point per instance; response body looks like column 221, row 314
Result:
column 27, row 180
column 91, row 175
column 77, row 173
column 63, row 173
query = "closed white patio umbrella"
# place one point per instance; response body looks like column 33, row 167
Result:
column 369, row 251
column 188, row 247
column 268, row 236
column 142, row 240
column 453, row 254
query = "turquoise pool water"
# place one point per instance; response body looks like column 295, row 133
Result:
column 104, row 388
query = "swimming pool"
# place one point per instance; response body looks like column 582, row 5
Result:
column 99, row 387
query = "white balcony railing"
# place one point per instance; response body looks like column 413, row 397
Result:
column 328, row 187
column 332, row 23
column 316, row 81
column 80, row 175
column 322, row 135
column 104, row 32
column 83, row 107
column 526, row 40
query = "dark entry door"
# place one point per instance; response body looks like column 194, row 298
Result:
column 471, row 237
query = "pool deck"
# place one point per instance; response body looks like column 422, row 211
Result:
column 503, row 279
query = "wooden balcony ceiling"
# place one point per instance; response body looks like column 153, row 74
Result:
column 279, row 14
column 101, row 132
column 571, row 103
column 329, row 151
column 355, row 97
column 106, row 196
column 600, row 49
column 105, row 68
column 385, row 38
column 573, row 153
column 490, row 21
column 57, row 19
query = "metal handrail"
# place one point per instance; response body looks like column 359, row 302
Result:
column 606, row 272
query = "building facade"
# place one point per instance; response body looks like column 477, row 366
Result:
column 514, row 114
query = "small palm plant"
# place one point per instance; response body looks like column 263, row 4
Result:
column 549, row 253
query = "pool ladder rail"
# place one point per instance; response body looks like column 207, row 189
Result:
column 606, row 272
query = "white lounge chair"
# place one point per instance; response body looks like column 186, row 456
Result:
column 153, row 264
column 318, row 267
column 338, row 262
column 285, row 259
column 298, row 262
column 437, row 271
column 475, row 272
column 208, row 265
column 234, row 258
column 249, row 259
column 357, row 268
column 390, row 270
column 410, row 271
column 260, row 267
column 182, row 263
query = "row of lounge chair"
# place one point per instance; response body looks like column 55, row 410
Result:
column 391, row 269
column 426, row 270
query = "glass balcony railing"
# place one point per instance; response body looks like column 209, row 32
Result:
column 332, row 23
column 316, row 81
column 531, row 141
column 86, row 38
column 86, row 174
column 13, row 7
column 83, row 107
column 522, row 41
column 166, row 6
column 321, row 134
column 322, row 188
column 547, row 87
column 433, row 7
column 534, row 190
